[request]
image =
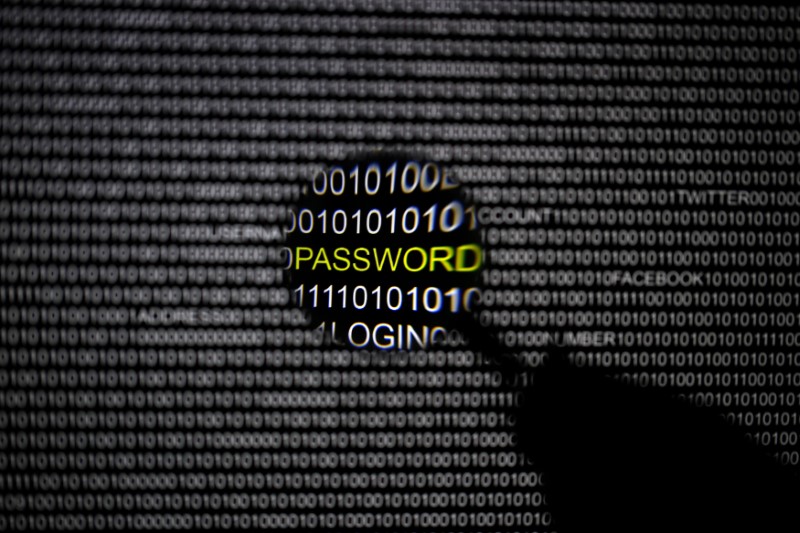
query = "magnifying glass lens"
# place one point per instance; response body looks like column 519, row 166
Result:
column 384, row 252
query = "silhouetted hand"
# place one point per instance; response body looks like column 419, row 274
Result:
column 622, row 458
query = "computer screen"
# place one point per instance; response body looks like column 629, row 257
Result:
column 632, row 169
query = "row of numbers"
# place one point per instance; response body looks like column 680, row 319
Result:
column 430, row 299
column 411, row 178
column 410, row 220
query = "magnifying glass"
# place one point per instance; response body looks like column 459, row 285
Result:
column 384, row 253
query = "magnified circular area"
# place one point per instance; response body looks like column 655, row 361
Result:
column 383, row 252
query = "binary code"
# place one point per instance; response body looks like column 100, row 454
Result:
column 634, row 172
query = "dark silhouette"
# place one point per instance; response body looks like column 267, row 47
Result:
column 621, row 458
